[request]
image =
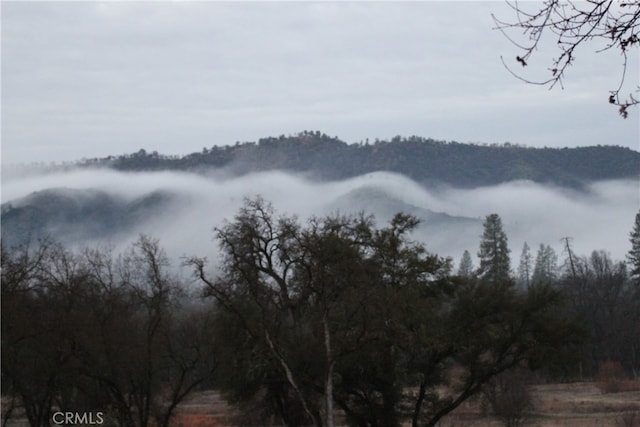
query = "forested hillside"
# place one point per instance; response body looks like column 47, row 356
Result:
column 422, row 159
column 78, row 215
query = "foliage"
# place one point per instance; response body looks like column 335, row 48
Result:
column 633, row 256
column 466, row 265
column 310, row 318
column 545, row 269
column 524, row 267
column 495, row 264
column 389, row 335
column 422, row 159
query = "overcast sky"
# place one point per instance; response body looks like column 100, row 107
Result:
column 87, row 79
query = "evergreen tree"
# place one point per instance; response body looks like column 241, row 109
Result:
column 524, row 269
column 466, row 265
column 546, row 265
column 634, row 253
column 494, row 251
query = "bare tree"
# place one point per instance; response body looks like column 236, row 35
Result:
column 84, row 331
column 261, row 252
column 609, row 24
column 25, row 341
column 509, row 397
column 168, row 352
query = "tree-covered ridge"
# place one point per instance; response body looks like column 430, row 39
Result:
column 72, row 215
column 421, row 159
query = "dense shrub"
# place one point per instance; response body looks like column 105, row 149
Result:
column 611, row 377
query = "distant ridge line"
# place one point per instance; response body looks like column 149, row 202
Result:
column 425, row 160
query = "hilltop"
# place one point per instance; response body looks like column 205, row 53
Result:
column 424, row 160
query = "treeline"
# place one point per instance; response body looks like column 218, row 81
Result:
column 423, row 159
column 299, row 322
column 604, row 294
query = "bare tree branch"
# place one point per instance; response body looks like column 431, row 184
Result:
column 574, row 24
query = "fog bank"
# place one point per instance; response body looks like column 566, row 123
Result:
column 600, row 217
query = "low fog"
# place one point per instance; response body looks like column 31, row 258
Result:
column 599, row 217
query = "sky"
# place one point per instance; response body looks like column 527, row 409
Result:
column 91, row 79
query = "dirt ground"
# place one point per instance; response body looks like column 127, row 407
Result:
column 563, row 405
column 556, row 405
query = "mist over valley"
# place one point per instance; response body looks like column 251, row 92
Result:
column 92, row 206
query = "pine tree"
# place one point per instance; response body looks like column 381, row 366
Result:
column 546, row 265
column 524, row 269
column 466, row 265
column 494, row 251
column 633, row 256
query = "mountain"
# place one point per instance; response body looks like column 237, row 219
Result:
column 373, row 199
column 424, row 160
column 447, row 185
column 436, row 229
column 77, row 216
column 74, row 216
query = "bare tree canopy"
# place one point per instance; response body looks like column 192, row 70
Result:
column 607, row 24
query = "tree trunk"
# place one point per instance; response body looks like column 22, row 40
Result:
column 328, row 382
column 415, row 419
column 290, row 377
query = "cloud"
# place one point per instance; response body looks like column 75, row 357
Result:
column 87, row 79
column 598, row 218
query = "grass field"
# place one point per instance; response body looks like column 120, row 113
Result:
column 555, row 405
